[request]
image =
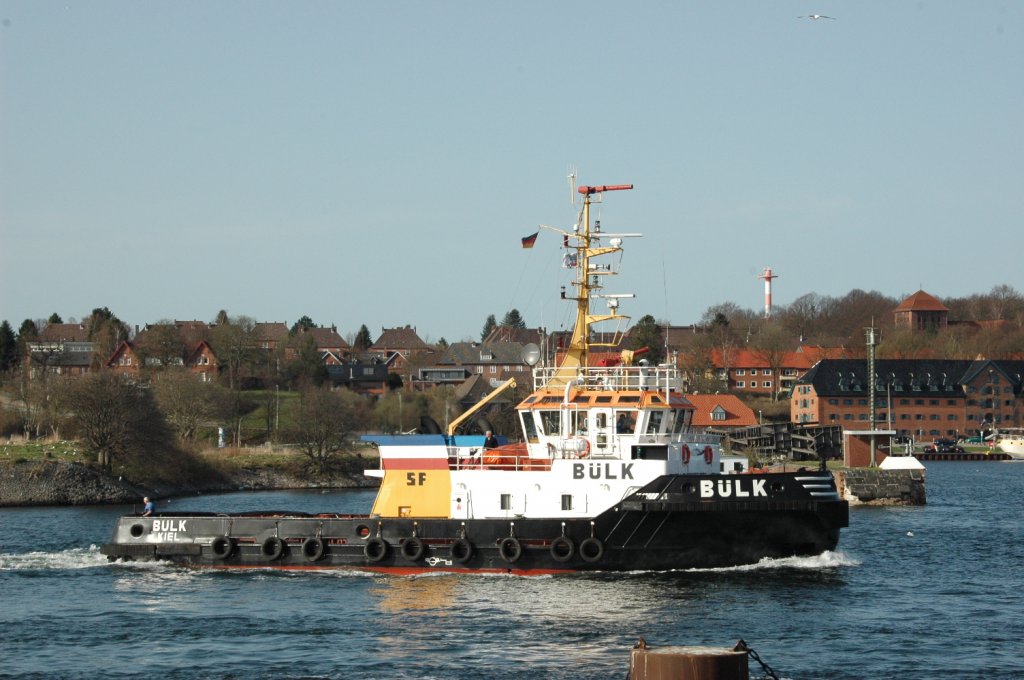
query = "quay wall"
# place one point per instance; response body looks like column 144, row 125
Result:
column 875, row 486
column 53, row 482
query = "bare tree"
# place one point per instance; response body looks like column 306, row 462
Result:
column 771, row 345
column 163, row 344
column 323, row 424
column 185, row 401
column 114, row 418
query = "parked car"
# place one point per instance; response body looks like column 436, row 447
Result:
column 943, row 446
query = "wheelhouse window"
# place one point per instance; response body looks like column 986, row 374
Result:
column 530, row 427
column 549, row 422
column 625, row 422
column 654, row 422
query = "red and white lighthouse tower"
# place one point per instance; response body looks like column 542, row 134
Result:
column 767, row 276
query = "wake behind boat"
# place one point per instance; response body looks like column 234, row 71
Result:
column 608, row 476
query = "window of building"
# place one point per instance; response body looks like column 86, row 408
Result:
column 833, row 417
column 934, row 402
column 718, row 413
column 951, row 416
column 494, row 368
column 766, row 384
column 847, row 402
column 951, row 402
column 904, row 401
column 833, row 402
column 741, row 384
column 847, row 416
column 862, row 402
column 919, row 402
column 741, row 371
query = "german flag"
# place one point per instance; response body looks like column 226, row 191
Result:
column 528, row 241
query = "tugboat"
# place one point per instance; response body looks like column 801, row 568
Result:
column 608, row 476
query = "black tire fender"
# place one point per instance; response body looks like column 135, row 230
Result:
column 222, row 547
column 412, row 549
column 272, row 547
column 510, row 549
column 376, row 549
column 461, row 550
column 313, row 548
column 591, row 549
column 562, row 549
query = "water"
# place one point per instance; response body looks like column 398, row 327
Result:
column 929, row 592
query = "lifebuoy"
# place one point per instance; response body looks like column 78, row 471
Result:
column 685, row 452
column 586, row 448
column 376, row 549
column 510, row 549
column 222, row 547
column 562, row 549
column 412, row 549
column 461, row 550
column 313, row 548
column 591, row 549
column 709, row 455
column 272, row 548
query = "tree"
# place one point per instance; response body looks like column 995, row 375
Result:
column 304, row 323
column 162, row 344
column 513, row 320
column 28, row 332
column 114, row 418
column 363, row 340
column 323, row 423
column 648, row 333
column 106, row 332
column 771, row 345
column 489, row 326
column 54, row 318
column 8, row 347
column 234, row 343
column 185, row 401
column 306, row 364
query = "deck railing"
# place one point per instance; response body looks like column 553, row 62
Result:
column 615, row 377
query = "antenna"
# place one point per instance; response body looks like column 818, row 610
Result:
column 572, row 186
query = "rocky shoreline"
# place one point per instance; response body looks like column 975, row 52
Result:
column 51, row 482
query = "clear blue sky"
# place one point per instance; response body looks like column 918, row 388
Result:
column 378, row 162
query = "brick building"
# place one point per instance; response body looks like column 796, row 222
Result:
column 916, row 397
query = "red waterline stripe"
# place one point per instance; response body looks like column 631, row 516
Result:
column 394, row 571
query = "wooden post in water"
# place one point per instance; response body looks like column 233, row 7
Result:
column 687, row 663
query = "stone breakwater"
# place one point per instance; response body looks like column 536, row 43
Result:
column 51, row 482
column 882, row 487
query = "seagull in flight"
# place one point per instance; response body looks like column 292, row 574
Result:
column 816, row 16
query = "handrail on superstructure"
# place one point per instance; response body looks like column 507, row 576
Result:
column 608, row 378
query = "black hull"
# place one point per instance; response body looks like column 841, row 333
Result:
column 661, row 527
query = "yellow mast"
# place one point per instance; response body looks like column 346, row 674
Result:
column 577, row 354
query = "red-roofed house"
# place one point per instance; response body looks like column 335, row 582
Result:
column 403, row 351
column 203, row 362
column 750, row 370
column 720, row 410
column 921, row 311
